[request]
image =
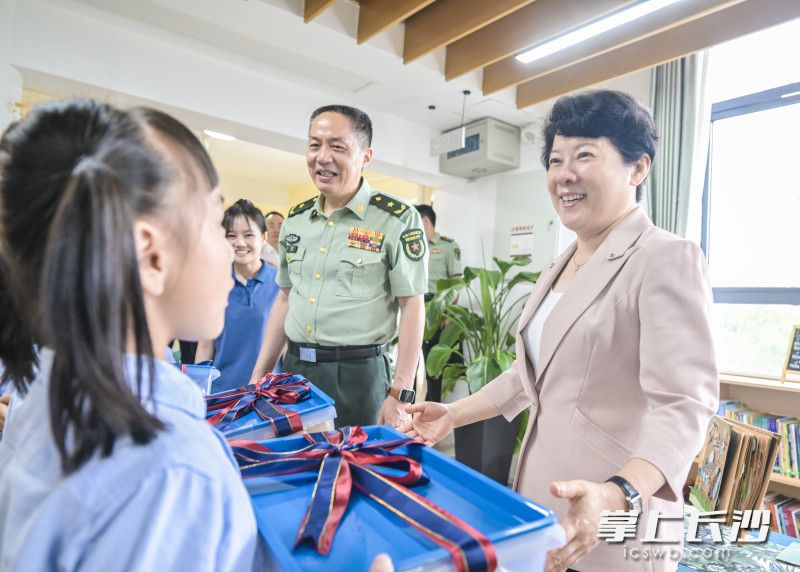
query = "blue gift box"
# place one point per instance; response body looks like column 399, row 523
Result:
column 203, row 374
column 521, row 531
column 316, row 411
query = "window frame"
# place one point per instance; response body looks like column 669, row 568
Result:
column 788, row 94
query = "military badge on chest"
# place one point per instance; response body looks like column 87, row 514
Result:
column 365, row 239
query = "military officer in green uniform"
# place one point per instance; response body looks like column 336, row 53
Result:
column 352, row 259
column 444, row 262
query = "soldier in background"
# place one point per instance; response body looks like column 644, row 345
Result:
column 444, row 262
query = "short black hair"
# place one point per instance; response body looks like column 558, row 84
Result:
column 270, row 213
column 426, row 211
column 615, row 115
column 244, row 208
column 359, row 121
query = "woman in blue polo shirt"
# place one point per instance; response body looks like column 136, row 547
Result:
column 254, row 290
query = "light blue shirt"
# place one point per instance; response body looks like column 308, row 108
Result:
column 177, row 503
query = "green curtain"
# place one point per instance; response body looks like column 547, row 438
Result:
column 677, row 99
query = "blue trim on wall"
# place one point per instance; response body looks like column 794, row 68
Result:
column 757, row 295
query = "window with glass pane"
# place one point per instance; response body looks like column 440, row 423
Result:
column 753, row 338
column 751, row 204
column 754, row 201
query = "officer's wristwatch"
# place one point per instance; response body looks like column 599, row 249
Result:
column 403, row 395
column 632, row 496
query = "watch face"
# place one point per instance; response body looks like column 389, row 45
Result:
column 407, row 396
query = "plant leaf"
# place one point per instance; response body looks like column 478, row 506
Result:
column 523, row 277
column 481, row 371
column 505, row 265
column 451, row 375
column 437, row 359
column 469, row 274
column 451, row 334
column 505, row 360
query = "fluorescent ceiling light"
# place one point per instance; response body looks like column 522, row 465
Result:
column 220, row 136
column 594, row 29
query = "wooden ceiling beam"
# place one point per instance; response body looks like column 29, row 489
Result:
column 509, row 72
column 374, row 16
column 314, row 8
column 526, row 27
column 721, row 26
column 448, row 20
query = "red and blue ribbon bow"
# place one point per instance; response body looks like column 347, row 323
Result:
column 263, row 398
column 344, row 459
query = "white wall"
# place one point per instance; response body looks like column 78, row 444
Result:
column 235, row 187
column 522, row 199
column 466, row 212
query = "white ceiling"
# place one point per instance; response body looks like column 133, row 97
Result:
column 269, row 36
column 323, row 54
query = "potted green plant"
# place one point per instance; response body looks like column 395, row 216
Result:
column 476, row 345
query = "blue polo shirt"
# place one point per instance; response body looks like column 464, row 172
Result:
column 236, row 349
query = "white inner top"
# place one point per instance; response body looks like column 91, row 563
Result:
column 533, row 332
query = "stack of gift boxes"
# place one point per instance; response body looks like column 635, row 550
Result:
column 333, row 500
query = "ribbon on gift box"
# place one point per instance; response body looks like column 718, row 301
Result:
column 343, row 459
column 264, row 398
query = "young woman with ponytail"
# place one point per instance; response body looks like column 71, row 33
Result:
column 112, row 244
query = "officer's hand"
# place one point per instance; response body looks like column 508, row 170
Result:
column 435, row 420
column 393, row 413
column 382, row 563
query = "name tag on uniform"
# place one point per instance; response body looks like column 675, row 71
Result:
column 435, row 250
column 365, row 239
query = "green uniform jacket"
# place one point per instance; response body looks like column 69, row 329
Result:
column 347, row 270
column 444, row 261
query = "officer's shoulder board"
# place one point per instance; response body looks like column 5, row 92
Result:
column 302, row 207
column 446, row 238
column 391, row 205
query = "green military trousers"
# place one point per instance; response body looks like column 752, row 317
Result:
column 359, row 387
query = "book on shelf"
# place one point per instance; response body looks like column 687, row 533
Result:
column 787, row 461
column 784, row 514
column 734, row 466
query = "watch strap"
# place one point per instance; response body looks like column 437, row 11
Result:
column 632, row 496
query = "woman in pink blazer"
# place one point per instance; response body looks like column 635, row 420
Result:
column 614, row 353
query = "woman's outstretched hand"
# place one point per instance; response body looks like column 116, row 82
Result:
column 430, row 423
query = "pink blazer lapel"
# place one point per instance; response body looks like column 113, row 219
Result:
column 590, row 282
column 543, row 286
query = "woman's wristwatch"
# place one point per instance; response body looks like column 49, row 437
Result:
column 632, row 496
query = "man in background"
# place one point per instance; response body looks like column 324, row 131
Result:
column 269, row 252
column 444, row 262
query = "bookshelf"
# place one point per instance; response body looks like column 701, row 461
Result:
column 769, row 396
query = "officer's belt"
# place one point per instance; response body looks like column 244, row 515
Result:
column 314, row 353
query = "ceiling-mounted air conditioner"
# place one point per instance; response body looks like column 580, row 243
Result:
column 490, row 146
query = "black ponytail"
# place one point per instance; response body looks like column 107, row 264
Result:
column 74, row 176
column 91, row 260
column 17, row 352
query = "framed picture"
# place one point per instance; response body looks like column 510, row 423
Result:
column 791, row 364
